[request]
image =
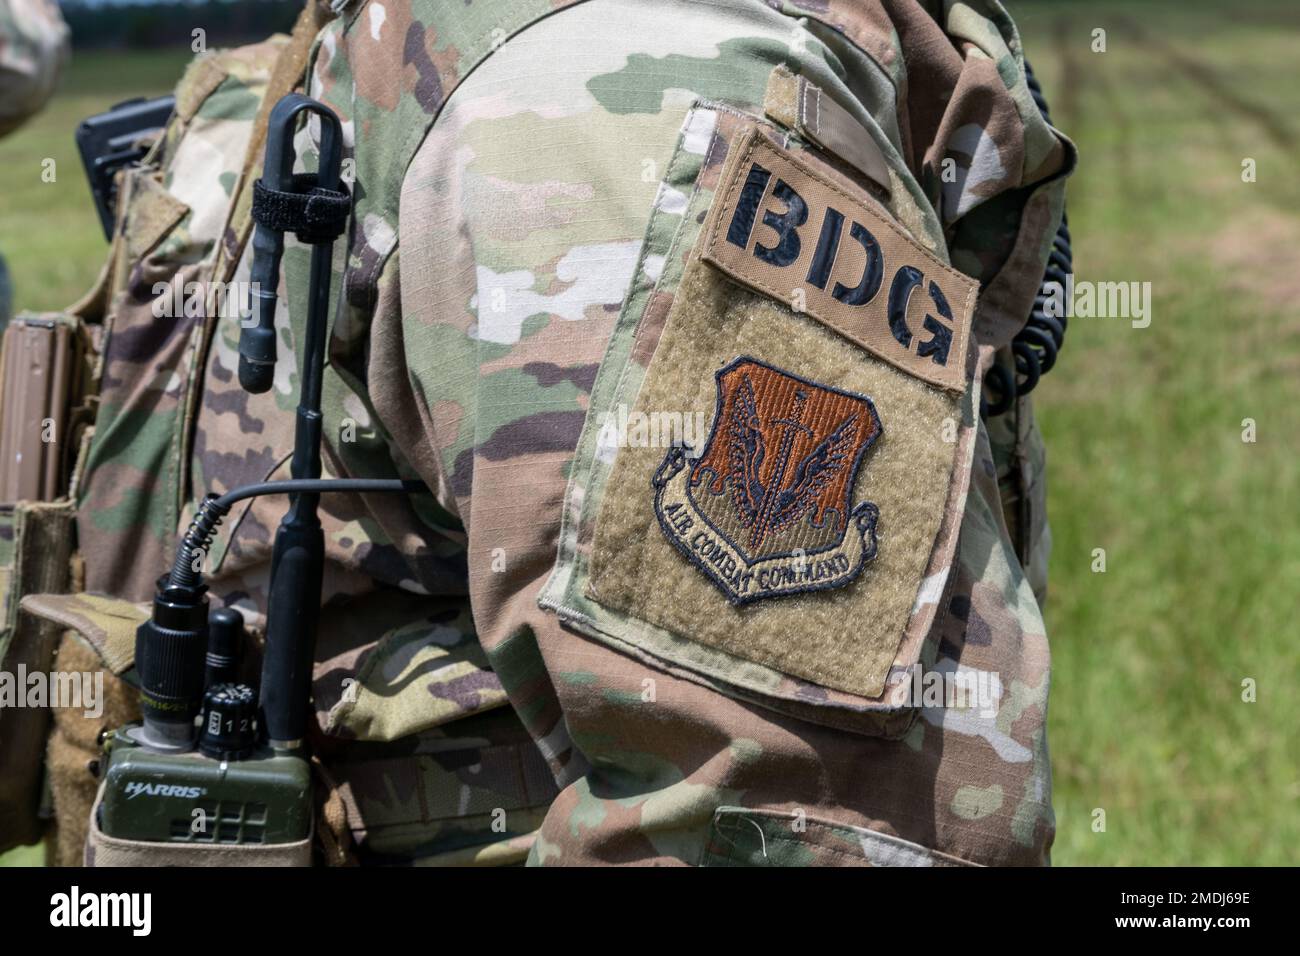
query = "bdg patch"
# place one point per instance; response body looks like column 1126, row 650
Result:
column 765, row 510
column 787, row 230
column 795, row 545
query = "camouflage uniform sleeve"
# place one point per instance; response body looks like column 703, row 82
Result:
column 33, row 49
column 543, row 232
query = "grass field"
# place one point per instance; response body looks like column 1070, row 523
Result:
column 49, row 232
column 1144, row 433
column 1144, row 426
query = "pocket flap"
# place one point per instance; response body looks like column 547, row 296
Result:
column 154, row 213
column 107, row 624
column 742, row 837
column 418, row 674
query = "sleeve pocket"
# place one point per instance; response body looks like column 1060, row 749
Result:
column 743, row 837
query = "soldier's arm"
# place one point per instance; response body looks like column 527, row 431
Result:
column 558, row 277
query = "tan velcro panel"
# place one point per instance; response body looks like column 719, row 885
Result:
column 41, row 543
column 794, row 102
column 104, row 850
column 788, row 230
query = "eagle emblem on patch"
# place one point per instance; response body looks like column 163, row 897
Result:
column 766, row 509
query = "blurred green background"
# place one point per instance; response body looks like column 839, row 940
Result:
column 1144, row 426
column 1144, row 434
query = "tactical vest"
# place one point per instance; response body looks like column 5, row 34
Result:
column 153, row 398
column 181, row 215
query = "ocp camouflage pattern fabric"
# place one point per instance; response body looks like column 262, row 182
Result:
column 530, row 179
column 33, row 49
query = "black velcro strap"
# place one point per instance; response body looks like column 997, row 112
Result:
column 310, row 212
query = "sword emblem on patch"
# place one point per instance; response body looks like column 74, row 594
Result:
column 766, row 510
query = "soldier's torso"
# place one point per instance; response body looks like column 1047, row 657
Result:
column 550, row 658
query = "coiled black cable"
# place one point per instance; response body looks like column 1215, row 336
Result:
column 185, row 569
column 1036, row 346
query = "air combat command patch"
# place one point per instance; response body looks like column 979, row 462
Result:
column 765, row 509
column 799, row 543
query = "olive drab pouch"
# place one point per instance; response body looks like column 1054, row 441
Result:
column 778, row 451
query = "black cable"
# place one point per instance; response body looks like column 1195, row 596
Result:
column 296, row 486
column 1035, row 347
column 214, row 508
